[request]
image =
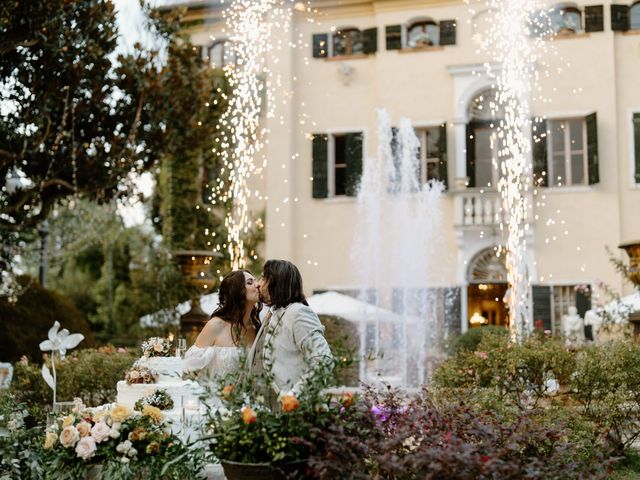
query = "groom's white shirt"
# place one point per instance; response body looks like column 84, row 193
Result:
column 293, row 344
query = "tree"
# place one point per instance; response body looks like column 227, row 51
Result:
column 80, row 122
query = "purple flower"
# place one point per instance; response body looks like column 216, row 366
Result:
column 380, row 413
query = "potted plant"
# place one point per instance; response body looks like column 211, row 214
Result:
column 256, row 437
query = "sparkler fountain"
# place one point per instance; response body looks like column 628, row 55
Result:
column 516, row 51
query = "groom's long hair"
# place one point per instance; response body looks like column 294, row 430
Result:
column 285, row 283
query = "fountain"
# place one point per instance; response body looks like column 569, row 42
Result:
column 397, row 233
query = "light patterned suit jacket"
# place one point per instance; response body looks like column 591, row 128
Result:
column 294, row 345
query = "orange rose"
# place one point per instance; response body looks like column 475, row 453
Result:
column 248, row 415
column 347, row 399
column 289, row 403
column 228, row 390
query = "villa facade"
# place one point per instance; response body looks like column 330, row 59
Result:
column 420, row 59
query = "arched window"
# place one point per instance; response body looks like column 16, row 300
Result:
column 423, row 33
column 221, row 54
column 487, row 267
column 483, row 159
column 566, row 19
column 634, row 16
column 348, row 41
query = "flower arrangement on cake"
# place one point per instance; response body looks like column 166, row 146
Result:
column 156, row 347
column 140, row 374
column 159, row 399
column 124, row 443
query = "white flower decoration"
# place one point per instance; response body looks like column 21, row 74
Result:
column 60, row 341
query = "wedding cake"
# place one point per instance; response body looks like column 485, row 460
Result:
column 156, row 379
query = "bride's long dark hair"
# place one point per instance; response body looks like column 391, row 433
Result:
column 232, row 304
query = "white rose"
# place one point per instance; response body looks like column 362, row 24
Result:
column 100, row 432
column 124, row 447
column 86, row 448
column 132, row 452
column 124, row 460
column 114, row 433
column 69, row 436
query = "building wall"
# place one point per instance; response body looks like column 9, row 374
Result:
column 594, row 72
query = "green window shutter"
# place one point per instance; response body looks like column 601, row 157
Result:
column 541, row 297
column 471, row 156
column 448, row 32
column 619, row 18
column 354, row 162
column 320, row 155
column 370, row 40
column 394, row 37
column 442, row 150
column 636, row 140
column 539, row 151
column 320, row 45
column 594, row 18
column 592, row 148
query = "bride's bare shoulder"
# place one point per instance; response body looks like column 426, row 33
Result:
column 211, row 331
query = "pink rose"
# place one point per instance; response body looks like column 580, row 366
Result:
column 122, row 350
column 100, row 432
column 84, row 429
column 69, row 436
column 158, row 347
column 86, row 448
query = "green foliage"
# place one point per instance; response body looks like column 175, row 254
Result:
column 606, row 385
column 89, row 374
column 256, row 427
column 20, row 441
column 516, row 373
column 25, row 324
column 597, row 394
column 468, row 341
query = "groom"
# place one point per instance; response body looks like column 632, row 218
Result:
column 290, row 342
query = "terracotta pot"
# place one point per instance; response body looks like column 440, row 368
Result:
column 262, row 471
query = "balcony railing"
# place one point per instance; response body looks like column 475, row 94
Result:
column 477, row 208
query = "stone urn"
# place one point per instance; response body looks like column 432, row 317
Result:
column 633, row 274
column 195, row 266
column 633, row 271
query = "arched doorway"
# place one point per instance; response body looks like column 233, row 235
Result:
column 487, row 286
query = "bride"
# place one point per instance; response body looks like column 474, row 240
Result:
column 225, row 339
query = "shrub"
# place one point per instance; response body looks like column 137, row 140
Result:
column 90, row 374
column 25, row 324
column 469, row 340
column 516, row 374
column 391, row 436
column 606, row 384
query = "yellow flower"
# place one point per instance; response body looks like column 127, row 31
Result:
column 153, row 447
column 50, row 440
column 153, row 412
column 68, row 420
column 289, row 403
column 99, row 415
column 120, row 413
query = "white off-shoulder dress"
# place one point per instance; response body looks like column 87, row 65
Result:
column 214, row 364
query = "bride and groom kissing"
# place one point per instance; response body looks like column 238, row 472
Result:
column 285, row 347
